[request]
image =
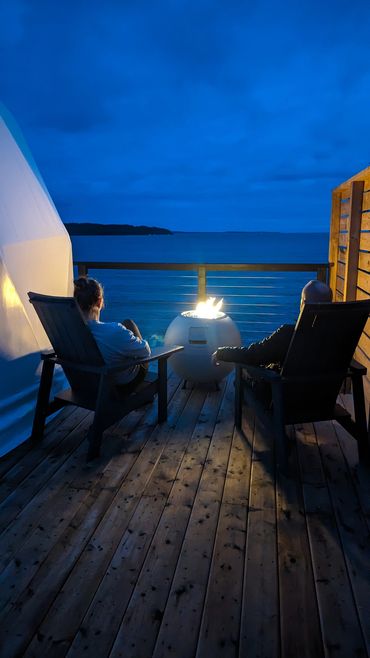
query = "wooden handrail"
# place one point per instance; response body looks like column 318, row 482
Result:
column 210, row 267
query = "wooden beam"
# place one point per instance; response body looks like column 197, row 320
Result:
column 355, row 216
column 334, row 239
column 209, row 267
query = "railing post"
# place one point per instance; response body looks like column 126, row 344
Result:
column 322, row 274
column 82, row 269
column 202, row 283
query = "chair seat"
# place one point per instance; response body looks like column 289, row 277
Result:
column 317, row 415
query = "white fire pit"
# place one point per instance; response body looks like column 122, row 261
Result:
column 201, row 331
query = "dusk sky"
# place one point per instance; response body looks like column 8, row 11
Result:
column 191, row 115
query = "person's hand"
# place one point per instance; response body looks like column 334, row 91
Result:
column 214, row 359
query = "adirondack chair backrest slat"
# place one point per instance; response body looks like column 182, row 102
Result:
column 69, row 335
column 325, row 338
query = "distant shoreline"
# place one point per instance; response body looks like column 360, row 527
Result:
column 254, row 232
column 90, row 228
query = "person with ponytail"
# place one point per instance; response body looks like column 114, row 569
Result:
column 116, row 341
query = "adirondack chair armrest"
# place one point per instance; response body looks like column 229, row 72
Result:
column 156, row 354
column 261, row 374
column 160, row 353
column 356, row 369
column 164, row 352
column 47, row 354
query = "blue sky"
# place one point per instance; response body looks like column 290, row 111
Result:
column 198, row 115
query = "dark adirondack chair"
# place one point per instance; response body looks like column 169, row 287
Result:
column 91, row 380
column 318, row 360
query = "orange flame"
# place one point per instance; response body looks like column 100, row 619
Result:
column 209, row 309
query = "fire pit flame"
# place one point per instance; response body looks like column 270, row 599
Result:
column 209, row 309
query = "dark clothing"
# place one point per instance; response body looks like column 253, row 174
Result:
column 269, row 352
column 129, row 387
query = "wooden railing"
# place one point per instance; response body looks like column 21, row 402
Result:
column 320, row 269
column 259, row 296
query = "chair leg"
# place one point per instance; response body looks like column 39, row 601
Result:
column 281, row 444
column 162, row 390
column 281, row 441
column 94, row 437
column 362, row 435
column 96, row 430
column 42, row 404
column 238, row 396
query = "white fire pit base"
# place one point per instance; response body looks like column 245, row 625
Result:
column 200, row 338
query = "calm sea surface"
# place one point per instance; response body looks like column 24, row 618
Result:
column 206, row 247
column 259, row 302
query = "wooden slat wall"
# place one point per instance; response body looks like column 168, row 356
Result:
column 350, row 251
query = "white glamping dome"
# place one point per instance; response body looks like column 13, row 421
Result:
column 35, row 254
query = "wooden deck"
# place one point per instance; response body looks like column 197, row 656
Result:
column 180, row 541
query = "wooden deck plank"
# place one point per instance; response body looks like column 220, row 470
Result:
column 180, row 541
column 219, row 632
column 359, row 471
column 353, row 530
column 32, row 458
column 65, row 615
column 340, row 626
column 56, row 505
column 101, row 622
column 220, row 627
column 178, row 634
column 30, row 487
column 149, row 597
column 35, row 600
column 260, row 608
column 43, row 509
column 99, row 492
column 236, row 491
column 14, row 457
column 47, row 509
column 299, row 618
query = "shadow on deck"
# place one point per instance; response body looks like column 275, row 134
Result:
column 180, row 541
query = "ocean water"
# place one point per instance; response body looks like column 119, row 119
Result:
column 205, row 248
column 259, row 302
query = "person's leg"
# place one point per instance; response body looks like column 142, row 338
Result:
column 132, row 326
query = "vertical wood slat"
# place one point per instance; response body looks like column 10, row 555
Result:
column 202, row 283
column 334, row 239
column 354, row 231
